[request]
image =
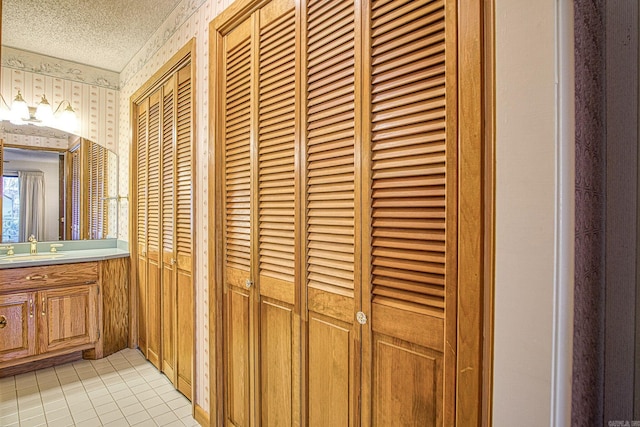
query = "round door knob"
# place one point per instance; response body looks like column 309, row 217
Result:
column 361, row 318
column 3, row 322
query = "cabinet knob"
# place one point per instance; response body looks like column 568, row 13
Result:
column 248, row 284
column 3, row 322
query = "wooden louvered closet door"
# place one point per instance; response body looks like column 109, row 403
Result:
column 168, row 231
column 331, row 237
column 260, row 272
column 337, row 158
column 183, row 190
column 411, row 258
column 154, row 287
column 164, row 202
column 141, row 188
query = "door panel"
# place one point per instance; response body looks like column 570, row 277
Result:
column 408, row 383
column 67, row 317
column 330, row 361
column 240, row 347
column 238, row 357
column 331, row 245
column 17, row 336
column 279, row 352
column 167, row 217
column 142, row 130
column 154, row 285
column 412, row 203
column 185, row 316
column 186, row 333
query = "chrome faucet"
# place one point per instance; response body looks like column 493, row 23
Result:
column 34, row 244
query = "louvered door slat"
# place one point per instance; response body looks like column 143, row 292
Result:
column 409, row 203
column 168, row 178
column 170, row 303
column 184, row 168
column 330, row 240
column 237, row 160
column 142, row 171
column 276, row 140
column 153, row 231
column 408, row 157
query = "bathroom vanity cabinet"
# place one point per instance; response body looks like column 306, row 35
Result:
column 52, row 310
column 47, row 311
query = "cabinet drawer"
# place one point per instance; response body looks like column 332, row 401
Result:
column 16, row 279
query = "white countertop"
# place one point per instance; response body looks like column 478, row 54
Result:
column 61, row 257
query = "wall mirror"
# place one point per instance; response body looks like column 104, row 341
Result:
column 56, row 185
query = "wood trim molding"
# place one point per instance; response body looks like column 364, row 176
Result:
column 489, row 209
column 200, row 415
column 474, row 198
column 185, row 54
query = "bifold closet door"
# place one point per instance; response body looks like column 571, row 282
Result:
column 260, row 272
column 154, row 288
column 168, row 231
column 183, row 225
column 141, row 220
column 336, row 153
column 331, row 239
column 164, row 185
column 411, row 258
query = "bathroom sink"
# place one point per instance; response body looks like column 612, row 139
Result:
column 30, row 257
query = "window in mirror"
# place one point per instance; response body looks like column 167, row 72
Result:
column 10, row 208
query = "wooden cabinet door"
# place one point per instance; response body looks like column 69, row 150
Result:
column 17, row 326
column 154, row 287
column 184, row 203
column 141, row 188
column 67, row 317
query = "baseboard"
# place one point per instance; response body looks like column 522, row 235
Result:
column 201, row 416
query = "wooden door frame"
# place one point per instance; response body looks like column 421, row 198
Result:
column 476, row 212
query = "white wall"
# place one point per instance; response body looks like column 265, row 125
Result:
column 47, row 163
column 527, row 154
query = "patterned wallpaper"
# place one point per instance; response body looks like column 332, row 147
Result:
column 59, row 68
column 95, row 106
column 186, row 22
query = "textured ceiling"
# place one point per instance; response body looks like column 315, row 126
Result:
column 100, row 33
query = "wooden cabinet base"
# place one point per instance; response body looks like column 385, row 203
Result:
column 55, row 314
column 40, row 362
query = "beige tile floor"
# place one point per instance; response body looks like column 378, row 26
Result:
column 120, row 390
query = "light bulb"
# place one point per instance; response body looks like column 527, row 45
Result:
column 44, row 112
column 68, row 120
column 19, row 109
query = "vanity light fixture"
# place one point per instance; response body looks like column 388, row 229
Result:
column 21, row 113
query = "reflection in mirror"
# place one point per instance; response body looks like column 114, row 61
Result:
column 56, row 186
